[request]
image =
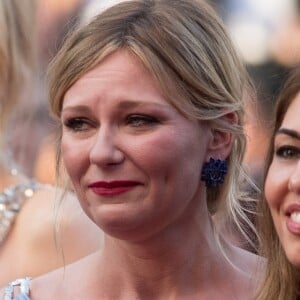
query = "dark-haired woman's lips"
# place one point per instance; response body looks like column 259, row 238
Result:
column 293, row 218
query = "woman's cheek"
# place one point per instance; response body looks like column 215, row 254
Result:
column 267, row 184
column 276, row 184
column 72, row 157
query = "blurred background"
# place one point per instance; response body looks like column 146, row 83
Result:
column 266, row 33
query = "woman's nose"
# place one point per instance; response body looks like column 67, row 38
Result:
column 105, row 151
column 294, row 180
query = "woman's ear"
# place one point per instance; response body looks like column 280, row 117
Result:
column 221, row 142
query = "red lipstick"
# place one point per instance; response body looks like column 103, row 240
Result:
column 112, row 188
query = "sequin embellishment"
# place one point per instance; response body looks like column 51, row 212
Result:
column 11, row 202
column 24, row 289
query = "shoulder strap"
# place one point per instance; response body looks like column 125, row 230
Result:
column 23, row 285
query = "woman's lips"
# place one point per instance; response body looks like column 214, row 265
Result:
column 112, row 188
column 293, row 219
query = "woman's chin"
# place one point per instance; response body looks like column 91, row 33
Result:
column 294, row 257
column 123, row 223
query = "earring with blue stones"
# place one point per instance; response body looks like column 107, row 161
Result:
column 213, row 172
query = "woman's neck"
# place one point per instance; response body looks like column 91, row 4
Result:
column 172, row 264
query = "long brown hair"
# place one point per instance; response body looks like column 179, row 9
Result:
column 282, row 281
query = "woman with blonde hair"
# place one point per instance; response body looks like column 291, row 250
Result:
column 149, row 102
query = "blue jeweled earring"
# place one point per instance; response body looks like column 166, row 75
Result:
column 213, row 172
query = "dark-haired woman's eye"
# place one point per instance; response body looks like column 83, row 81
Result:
column 288, row 152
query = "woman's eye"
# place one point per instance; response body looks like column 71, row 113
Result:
column 76, row 124
column 140, row 120
column 288, row 152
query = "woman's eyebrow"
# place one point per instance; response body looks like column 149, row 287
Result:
column 292, row 133
column 133, row 104
column 76, row 108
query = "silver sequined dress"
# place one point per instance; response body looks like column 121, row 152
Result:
column 11, row 202
column 23, row 285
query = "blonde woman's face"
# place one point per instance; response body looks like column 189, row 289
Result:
column 134, row 160
column 282, row 186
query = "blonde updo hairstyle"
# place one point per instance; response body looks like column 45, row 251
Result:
column 184, row 46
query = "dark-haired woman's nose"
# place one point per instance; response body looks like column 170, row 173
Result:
column 294, row 180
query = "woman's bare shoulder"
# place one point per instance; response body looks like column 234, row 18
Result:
column 47, row 234
column 51, row 206
column 62, row 283
column 250, row 267
column 247, row 271
column 55, row 210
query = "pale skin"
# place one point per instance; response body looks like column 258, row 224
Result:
column 32, row 248
column 159, row 241
column 282, row 186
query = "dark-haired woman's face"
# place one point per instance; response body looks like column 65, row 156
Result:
column 282, row 186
